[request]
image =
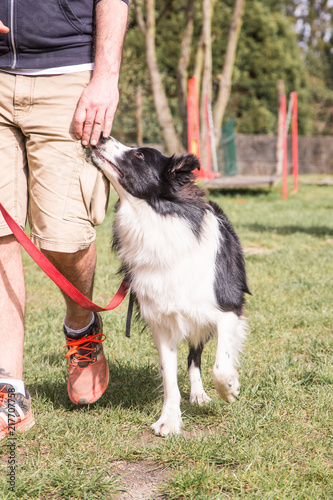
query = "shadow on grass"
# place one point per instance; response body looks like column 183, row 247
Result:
column 319, row 231
column 237, row 192
column 128, row 387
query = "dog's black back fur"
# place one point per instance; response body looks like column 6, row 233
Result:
column 230, row 276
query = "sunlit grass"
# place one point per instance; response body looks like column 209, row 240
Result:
column 275, row 442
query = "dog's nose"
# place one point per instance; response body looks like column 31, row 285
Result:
column 102, row 140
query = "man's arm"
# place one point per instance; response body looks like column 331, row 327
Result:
column 100, row 98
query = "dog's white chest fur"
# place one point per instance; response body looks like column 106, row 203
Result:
column 172, row 270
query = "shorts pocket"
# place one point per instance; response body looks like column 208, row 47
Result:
column 88, row 197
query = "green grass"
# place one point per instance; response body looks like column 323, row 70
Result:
column 275, row 442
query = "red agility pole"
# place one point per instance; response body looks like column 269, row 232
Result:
column 283, row 105
column 293, row 96
column 193, row 123
column 193, row 134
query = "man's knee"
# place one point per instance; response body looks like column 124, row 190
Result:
column 8, row 239
column 85, row 257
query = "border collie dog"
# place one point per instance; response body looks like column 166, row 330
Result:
column 184, row 264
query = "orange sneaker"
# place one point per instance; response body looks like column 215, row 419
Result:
column 15, row 411
column 88, row 372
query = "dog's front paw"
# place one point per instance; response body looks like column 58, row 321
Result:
column 170, row 424
column 200, row 398
column 226, row 384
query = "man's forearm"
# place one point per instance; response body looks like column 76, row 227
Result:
column 111, row 25
column 99, row 100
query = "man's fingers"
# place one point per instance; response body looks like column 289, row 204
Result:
column 108, row 122
column 88, row 126
column 97, row 127
column 79, row 120
column 95, row 110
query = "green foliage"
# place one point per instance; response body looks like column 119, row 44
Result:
column 268, row 51
column 314, row 20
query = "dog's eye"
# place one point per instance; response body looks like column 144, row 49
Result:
column 139, row 155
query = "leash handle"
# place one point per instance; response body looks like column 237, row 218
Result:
column 55, row 275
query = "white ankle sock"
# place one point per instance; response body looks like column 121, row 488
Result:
column 17, row 384
column 77, row 332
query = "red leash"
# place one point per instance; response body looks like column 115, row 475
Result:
column 55, row 275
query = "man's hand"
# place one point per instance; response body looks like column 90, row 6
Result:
column 3, row 28
column 97, row 106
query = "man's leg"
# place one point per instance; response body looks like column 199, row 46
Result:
column 67, row 198
column 13, row 394
column 88, row 370
column 45, row 154
column 12, row 299
column 79, row 269
column 13, row 195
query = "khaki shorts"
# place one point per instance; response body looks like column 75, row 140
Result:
column 43, row 172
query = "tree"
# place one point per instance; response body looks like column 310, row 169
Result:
column 183, row 64
column 206, row 81
column 267, row 52
column 203, row 66
column 164, row 116
column 269, row 49
column 224, row 88
column 313, row 22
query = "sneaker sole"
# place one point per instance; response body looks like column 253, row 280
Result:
column 84, row 401
column 20, row 427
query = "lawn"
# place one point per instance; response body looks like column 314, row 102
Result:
column 275, row 442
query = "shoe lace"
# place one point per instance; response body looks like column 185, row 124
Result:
column 3, row 396
column 83, row 343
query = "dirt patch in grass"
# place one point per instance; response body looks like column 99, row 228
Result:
column 140, row 480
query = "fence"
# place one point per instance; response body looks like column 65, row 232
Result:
column 256, row 154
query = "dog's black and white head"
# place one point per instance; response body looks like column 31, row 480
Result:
column 147, row 174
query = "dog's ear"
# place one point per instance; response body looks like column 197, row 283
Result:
column 183, row 164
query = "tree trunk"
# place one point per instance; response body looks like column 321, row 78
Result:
column 138, row 115
column 164, row 116
column 225, row 79
column 198, row 63
column 206, row 84
column 280, row 131
column 182, row 73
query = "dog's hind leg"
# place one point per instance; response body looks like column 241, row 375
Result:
column 170, row 421
column 198, row 394
column 231, row 331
